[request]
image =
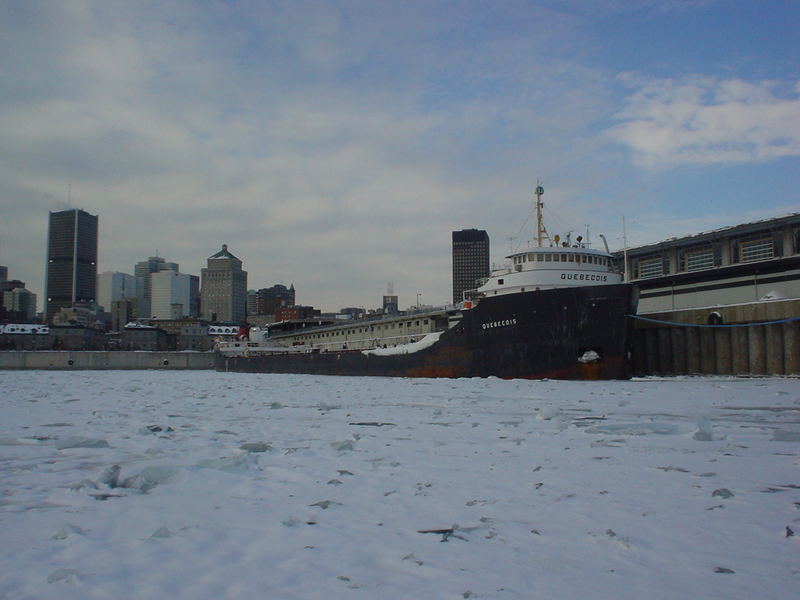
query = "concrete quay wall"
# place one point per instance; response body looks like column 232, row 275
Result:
column 86, row 360
column 760, row 346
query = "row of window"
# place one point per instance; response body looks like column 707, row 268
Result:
column 355, row 330
column 743, row 250
column 591, row 259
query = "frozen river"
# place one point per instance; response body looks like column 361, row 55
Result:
column 153, row 484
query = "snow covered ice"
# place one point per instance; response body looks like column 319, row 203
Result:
column 145, row 484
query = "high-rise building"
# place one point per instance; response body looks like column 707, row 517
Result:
column 470, row 261
column 20, row 303
column 174, row 295
column 113, row 286
column 142, row 272
column 267, row 301
column 224, row 288
column 71, row 260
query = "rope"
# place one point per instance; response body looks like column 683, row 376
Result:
column 674, row 324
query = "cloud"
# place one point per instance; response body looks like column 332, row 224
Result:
column 706, row 120
column 335, row 147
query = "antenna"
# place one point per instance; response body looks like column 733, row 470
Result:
column 541, row 232
column 625, row 250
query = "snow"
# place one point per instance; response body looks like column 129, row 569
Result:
column 426, row 342
column 187, row 484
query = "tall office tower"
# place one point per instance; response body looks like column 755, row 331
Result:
column 223, row 293
column 71, row 260
column 173, row 295
column 3, row 273
column 113, row 286
column 142, row 272
column 470, row 261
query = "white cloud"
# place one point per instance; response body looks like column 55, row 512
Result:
column 693, row 121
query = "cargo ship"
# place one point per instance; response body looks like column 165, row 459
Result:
column 558, row 310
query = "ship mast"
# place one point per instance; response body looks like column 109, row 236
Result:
column 541, row 232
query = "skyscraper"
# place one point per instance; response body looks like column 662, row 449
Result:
column 470, row 260
column 174, row 295
column 113, row 286
column 71, row 260
column 142, row 272
column 223, row 293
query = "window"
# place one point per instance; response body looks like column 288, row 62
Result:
column 649, row 267
column 756, row 249
column 697, row 259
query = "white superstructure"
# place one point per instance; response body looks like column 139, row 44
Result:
column 561, row 264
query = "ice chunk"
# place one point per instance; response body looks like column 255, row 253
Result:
column 240, row 463
column 256, row 447
column 62, row 575
column 150, row 477
column 80, row 442
column 110, row 476
column 781, row 435
column 66, row 530
column 161, row 533
column 343, row 446
column 703, row 431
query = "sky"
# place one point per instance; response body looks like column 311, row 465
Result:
column 336, row 145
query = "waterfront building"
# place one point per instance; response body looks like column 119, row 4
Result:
column 136, row 336
column 750, row 262
column 223, row 295
column 71, row 274
column 470, row 261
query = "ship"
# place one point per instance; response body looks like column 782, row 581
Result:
column 558, row 309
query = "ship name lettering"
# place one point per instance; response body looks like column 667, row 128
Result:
column 584, row 276
column 503, row 323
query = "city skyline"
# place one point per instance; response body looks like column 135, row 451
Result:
column 337, row 147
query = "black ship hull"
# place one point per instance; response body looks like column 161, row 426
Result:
column 533, row 335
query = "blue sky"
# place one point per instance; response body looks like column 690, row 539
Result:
column 335, row 145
